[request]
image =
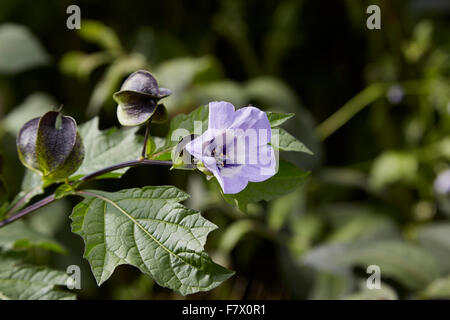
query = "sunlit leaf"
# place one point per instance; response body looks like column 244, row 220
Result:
column 150, row 229
column 278, row 118
column 284, row 141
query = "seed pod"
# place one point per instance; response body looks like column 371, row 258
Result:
column 138, row 100
column 51, row 146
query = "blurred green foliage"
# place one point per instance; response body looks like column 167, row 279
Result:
column 373, row 106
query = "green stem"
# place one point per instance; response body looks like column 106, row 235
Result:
column 147, row 135
column 51, row 198
column 350, row 109
column 360, row 101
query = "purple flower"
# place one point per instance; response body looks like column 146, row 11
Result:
column 235, row 147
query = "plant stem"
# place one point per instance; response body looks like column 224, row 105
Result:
column 147, row 135
column 131, row 163
column 28, row 210
column 363, row 99
column 348, row 110
column 51, row 198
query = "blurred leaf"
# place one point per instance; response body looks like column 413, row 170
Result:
column 98, row 33
column 421, row 41
column 362, row 225
column 18, row 236
column 331, row 258
column 107, row 147
column 19, row 49
column 408, row 264
column 286, row 180
column 223, row 90
column 284, row 141
column 111, row 79
column 404, row 262
column 51, row 219
column 149, row 229
column 80, row 64
column 272, row 92
column 281, row 208
column 21, row 281
column 233, row 234
column 330, row 286
column 435, row 238
column 384, row 293
column 438, row 289
column 35, row 105
column 306, row 229
column 180, row 75
column 392, row 166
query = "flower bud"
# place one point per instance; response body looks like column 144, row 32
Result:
column 51, row 146
column 138, row 100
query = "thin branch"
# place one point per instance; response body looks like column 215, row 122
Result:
column 131, row 163
column 147, row 135
column 51, row 198
column 28, row 210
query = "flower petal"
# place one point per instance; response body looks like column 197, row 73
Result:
column 265, row 168
column 230, row 179
column 252, row 118
column 221, row 115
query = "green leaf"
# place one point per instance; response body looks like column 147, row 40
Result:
column 21, row 281
column 18, row 236
column 19, row 49
column 285, row 181
column 278, row 118
column 64, row 190
column 150, row 229
column 106, row 148
column 284, row 141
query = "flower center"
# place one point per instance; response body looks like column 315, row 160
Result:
column 219, row 154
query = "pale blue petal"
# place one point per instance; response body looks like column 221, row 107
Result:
column 230, row 179
column 221, row 115
column 265, row 168
column 252, row 118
